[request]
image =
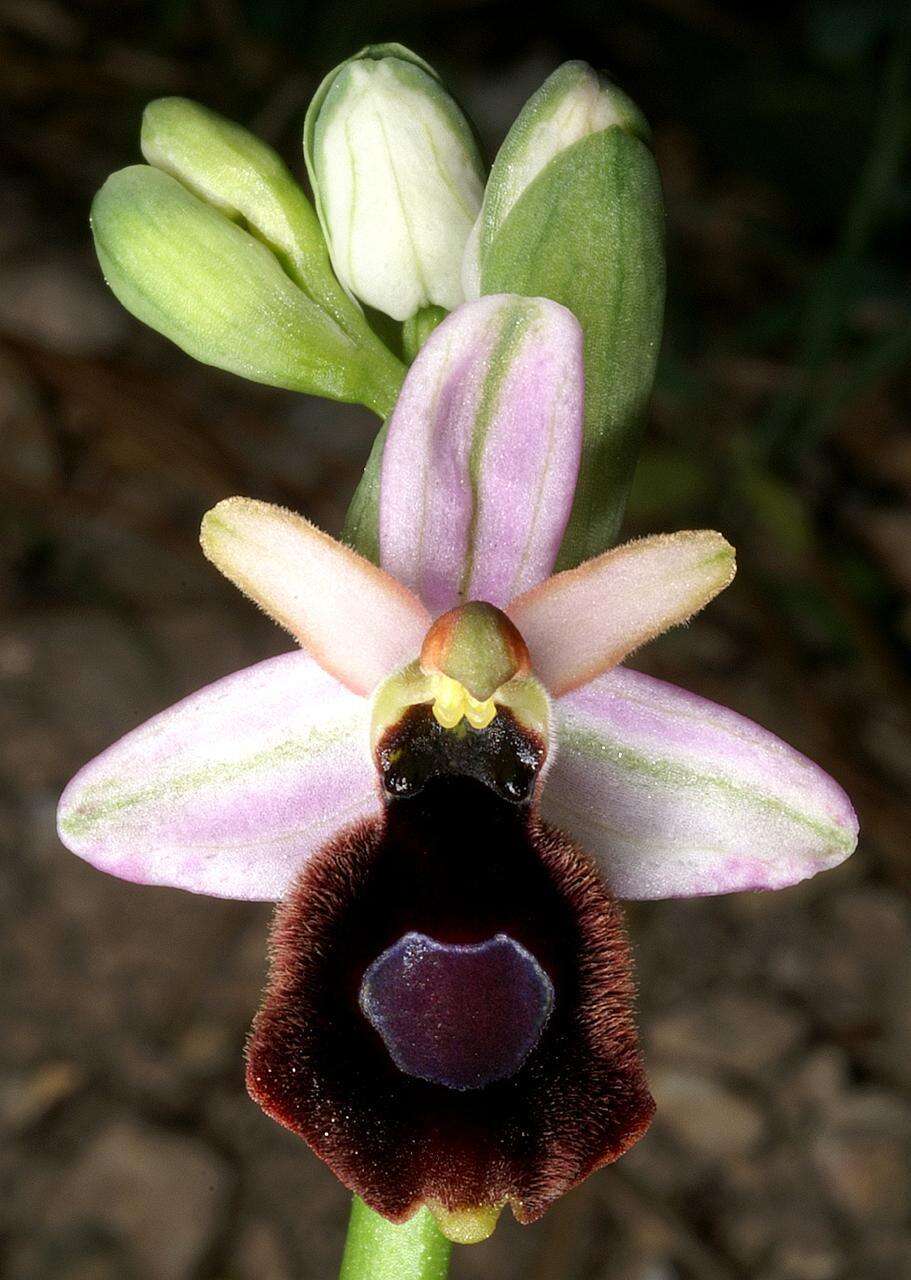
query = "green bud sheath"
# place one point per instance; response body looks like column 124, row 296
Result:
column 361, row 529
column 182, row 267
column 574, row 102
column 234, row 171
column 231, row 169
column 588, row 232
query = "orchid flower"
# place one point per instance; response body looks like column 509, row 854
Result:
column 448, row 787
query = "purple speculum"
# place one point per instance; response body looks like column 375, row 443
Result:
column 457, row 1014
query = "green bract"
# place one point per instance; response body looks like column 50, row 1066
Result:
column 398, row 180
column 573, row 212
column 418, row 328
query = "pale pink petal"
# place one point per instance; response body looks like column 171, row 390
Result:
column 676, row 796
column 482, row 453
column 357, row 622
column 230, row 791
column 586, row 620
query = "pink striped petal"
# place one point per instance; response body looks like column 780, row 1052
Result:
column 482, row 453
column 357, row 622
column 230, row 791
column 586, row 620
column 676, row 796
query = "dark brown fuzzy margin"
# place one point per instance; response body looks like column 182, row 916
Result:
column 458, row 864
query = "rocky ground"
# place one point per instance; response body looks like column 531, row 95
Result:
column 775, row 1026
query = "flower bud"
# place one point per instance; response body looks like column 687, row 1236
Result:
column 571, row 104
column 500, row 382
column 573, row 213
column 186, row 270
column 234, row 171
column 398, row 180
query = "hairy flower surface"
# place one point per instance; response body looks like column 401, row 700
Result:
column 448, row 787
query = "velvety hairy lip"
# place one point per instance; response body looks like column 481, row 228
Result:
column 461, row 864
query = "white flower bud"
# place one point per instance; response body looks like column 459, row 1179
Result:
column 398, row 180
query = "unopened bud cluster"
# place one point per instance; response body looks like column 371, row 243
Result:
column 215, row 244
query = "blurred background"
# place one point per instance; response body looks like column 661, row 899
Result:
column 776, row 1027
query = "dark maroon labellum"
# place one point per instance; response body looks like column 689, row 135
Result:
column 459, row 861
column 457, row 1014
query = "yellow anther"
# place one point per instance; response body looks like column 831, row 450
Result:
column 446, row 715
column 452, row 703
column 448, row 701
column 479, row 714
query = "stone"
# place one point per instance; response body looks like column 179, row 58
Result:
column 308, row 1208
column 886, row 1054
column 514, row 1252
column 45, row 21
column 260, row 1254
column 640, row 1268
column 207, row 1048
column 888, row 532
column 864, row 1157
column 26, row 1098
column 160, row 1196
column 655, row 1162
column 708, row 1118
column 32, row 453
column 770, row 1211
column 807, row 1094
column 60, row 303
column 79, row 1254
column 850, row 964
column 735, row 1031
column 811, row 1252
column 886, row 737
column 884, row 1255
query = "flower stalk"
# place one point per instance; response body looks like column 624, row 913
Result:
column 376, row 1249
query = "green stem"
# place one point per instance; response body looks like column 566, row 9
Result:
column 384, row 375
column 379, row 1250
column 418, row 329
